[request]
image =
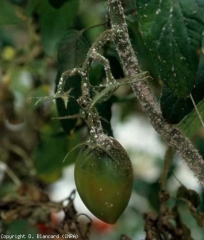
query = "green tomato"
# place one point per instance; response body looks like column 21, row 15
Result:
column 104, row 180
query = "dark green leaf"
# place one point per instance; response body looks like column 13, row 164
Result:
column 129, row 5
column 5, row 39
column 105, row 113
column 191, row 123
column 18, row 2
column 8, row 14
column 72, row 52
column 200, row 72
column 48, row 157
column 22, row 227
column 55, row 22
column 31, row 5
column 174, row 109
column 57, row 3
column 172, row 32
column 114, row 61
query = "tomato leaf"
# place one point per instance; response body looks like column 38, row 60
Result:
column 58, row 3
column 18, row 2
column 55, row 22
column 46, row 155
column 8, row 14
column 105, row 113
column 174, row 109
column 31, row 5
column 72, row 50
column 191, row 123
column 172, row 32
column 128, row 5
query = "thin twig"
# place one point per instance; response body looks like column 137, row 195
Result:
column 194, row 104
column 13, row 177
column 167, row 160
column 94, row 26
column 10, row 173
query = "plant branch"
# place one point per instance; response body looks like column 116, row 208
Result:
column 144, row 94
column 167, row 160
column 94, row 26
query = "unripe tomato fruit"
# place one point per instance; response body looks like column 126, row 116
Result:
column 104, row 180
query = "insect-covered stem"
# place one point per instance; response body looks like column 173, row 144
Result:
column 87, row 100
column 96, row 129
column 92, row 116
column 144, row 94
